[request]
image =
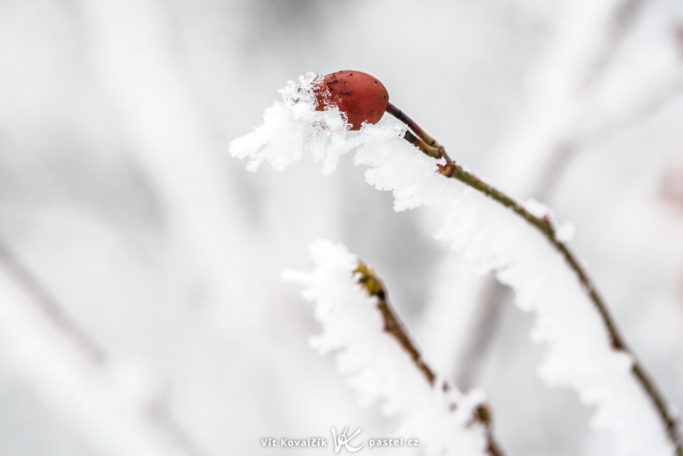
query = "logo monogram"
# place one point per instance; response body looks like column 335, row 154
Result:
column 343, row 440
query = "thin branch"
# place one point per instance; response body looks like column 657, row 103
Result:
column 546, row 228
column 393, row 326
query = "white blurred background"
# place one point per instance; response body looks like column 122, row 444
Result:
column 141, row 307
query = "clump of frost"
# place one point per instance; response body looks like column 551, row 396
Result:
column 292, row 126
column 377, row 367
column 537, row 208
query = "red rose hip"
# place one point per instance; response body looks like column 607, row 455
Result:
column 360, row 96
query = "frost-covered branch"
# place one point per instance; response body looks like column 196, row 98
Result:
column 585, row 350
column 374, row 350
column 544, row 225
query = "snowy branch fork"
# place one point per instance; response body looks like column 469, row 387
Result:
column 450, row 169
column 392, row 325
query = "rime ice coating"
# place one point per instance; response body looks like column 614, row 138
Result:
column 375, row 363
column 292, row 125
column 578, row 353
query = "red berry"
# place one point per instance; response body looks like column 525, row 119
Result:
column 360, row 96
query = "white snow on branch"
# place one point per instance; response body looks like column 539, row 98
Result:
column 376, row 364
column 292, row 126
column 579, row 355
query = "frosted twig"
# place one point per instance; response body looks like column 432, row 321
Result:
column 392, row 325
column 373, row 350
column 586, row 352
column 544, row 225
